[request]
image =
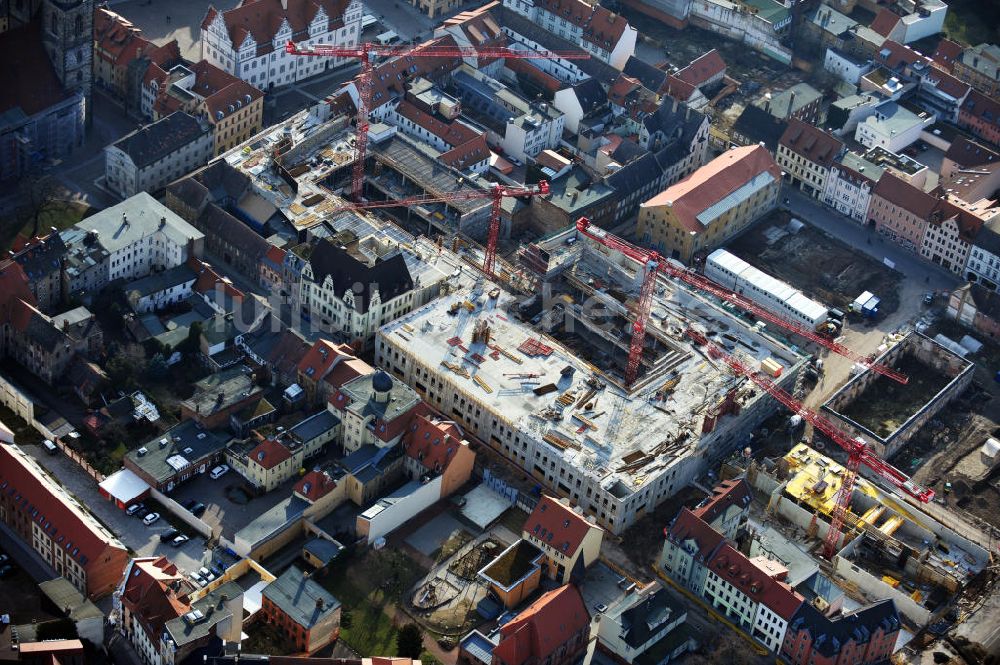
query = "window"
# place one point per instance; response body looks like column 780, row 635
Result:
column 78, row 27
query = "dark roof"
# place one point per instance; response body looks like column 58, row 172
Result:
column 967, row 153
column 635, row 175
column 643, row 620
column 626, row 151
column 988, row 237
column 165, row 136
column 649, row 76
column 27, row 78
column 759, row 126
column 681, row 122
column 688, row 526
column 590, row 94
column 987, row 302
column 37, row 327
column 42, row 257
column 391, row 276
column 216, row 221
column 830, row 635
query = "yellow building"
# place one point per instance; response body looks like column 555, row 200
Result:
column 569, row 541
column 712, row 204
column 233, row 107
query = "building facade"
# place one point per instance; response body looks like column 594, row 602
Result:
column 850, row 190
column 711, row 205
column 248, row 41
column 979, row 66
column 569, row 541
column 900, row 212
column 57, row 527
column 805, row 154
column 149, row 158
column 302, row 609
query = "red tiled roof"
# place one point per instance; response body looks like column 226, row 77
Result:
column 677, row 89
column 117, row 40
column 13, row 288
column 982, row 107
column 397, row 426
column 531, row 70
column 755, row 582
column 946, row 53
column 968, row 154
column 703, row 68
column 811, row 142
column 687, row 526
column 467, row 154
column 261, row 19
column 969, row 224
column 713, row 182
column 904, row 195
column 208, row 278
column 269, row 454
column 544, row 626
column 319, row 359
column 558, row 525
column 315, row 485
column 600, row 26
column 69, row 527
column 728, row 493
column 276, row 255
column 897, row 55
column 948, row 84
column 453, row 133
column 161, row 58
column 149, row 597
column 222, row 90
column 480, row 28
column 431, row 442
column 884, row 22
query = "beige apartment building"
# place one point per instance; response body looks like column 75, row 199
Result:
column 806, row 154
column 704, row 210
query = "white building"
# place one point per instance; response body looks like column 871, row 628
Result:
column 761, row 30
column 139, row 235
column 849, row 186
column 601, row 33
column 771, row 293
column 341, row 293
column 249, row 40
column 846, row 67
column 150, row 158
column 639, row 621
column 892, row 127
column 983, row 265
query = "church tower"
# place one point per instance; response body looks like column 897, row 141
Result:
column 68, row 33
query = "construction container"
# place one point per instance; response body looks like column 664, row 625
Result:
column 891, row 581
column 771, row 367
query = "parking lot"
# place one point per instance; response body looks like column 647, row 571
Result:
column 229, row 504
column 143, row 540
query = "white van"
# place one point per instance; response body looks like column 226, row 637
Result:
column 50, row 447
column 219, row 471
column 387, row 38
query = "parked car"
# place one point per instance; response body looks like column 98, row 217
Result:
column 4, row 559
column 929, row 298
column 134, row 508
column 198, row 579
column 198, row 509
column 6, row 571
column 169, row 535
column 206, row 573
column 219, row 471
column 189, row 504
column 142, row 512
column 216, row 569
column 179, row 540
column 150, row 518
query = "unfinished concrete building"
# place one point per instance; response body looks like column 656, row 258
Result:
column 889, row 548
column 541, row 381
column 886, row 413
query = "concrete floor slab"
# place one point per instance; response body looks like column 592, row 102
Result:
column 430, row 537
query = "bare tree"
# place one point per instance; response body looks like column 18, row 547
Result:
column 37, row 192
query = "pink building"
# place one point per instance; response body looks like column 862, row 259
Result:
column 900, row 211
column 951, row 231
column 981, row 115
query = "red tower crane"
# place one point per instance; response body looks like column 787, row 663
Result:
column 366, row 50
column 496, row 193
column 653, row 262
column 857, row 450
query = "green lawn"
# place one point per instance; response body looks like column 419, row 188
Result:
column 365, row 583
column 60, row 214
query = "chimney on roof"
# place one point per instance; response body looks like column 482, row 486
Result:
column 124, row 219
column 284, row 5
column 319, row 601
column 791, row 103
column 675, row 105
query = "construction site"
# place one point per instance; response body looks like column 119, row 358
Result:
column 887, row 413
column 544, row 379
column 888, row 548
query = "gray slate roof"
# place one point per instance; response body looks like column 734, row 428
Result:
column 301, row 598
column 152, row 143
